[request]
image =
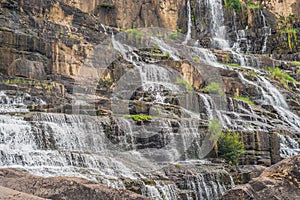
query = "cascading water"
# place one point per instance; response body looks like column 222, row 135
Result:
column 266, row 32
column 160, row 191
column 71, row 145
column 189, row 24
column 57, row 144
column 288, row 146
column 217, row 28
column 208, row 186
column 270, row 94
column 241, row 37
column 17, row 103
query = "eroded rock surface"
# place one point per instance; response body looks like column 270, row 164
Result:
column 32, row 187
column 281, row 181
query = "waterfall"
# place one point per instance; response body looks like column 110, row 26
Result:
column 266, row 32
column 189, row 24
column 207, row 186
column 272, row 96
column 217, row 28
column 160, row 191
column 104, row 28
column 17, row 103
column 168, row 191
column 166, row 48
column 288, row 146
column 241, row 37
column 57, row 144
column 153, row 77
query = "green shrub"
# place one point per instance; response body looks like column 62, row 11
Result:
column 298, row 71
column 233, row 5
column 214, row 88
column 268, row 68
column 246, row 99
column 106, row 5
column 234, row 65
column 168, row 55
column 252, row 6
column 282, row 77
column 71, row 36
column 214, row 128
column 253, row 73
column 187, row 85
column 196, row 59
column 292, row 36
column 173, row 36
column 139, row 118
column 177, row 165
column 225, row 58
column 296, row 63
column 134, row 33
column 230, row 147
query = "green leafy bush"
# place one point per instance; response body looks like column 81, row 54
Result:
column 282, row 77
column 139, row 118
column 196, row 59
column 246, row 99
column 214, row 88
column 296, row 63
column 234, row 65
column 177, row 165
column 214, row 128
column 106, row 5
column 173, row 36
column 233, row 4
column 286, row 27
column 134, row 33
column 292, row 36
column 225, row 58
column 187, row 85
column 230, row 147
column 168, row 55
column 252, row 6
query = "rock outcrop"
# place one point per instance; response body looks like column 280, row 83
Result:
column 283, row 8
column 25, row 186
column 136, row 14
column 281, row 181
column 146, row 95
column 7, row 193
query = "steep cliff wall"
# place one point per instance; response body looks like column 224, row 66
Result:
column 146, row 81
column 135, row 14
column 282, row 8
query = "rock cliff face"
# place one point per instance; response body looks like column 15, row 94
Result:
column 136, row 14
column 33, row 187
column 94, row 89
column 282, row 8
column 280, row 181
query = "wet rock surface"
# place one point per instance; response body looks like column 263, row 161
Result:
column 51, row 123
column 280, row 181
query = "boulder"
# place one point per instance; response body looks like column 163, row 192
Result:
column 25, row 185
column 280, row 181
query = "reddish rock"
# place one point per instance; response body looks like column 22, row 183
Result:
column 23, row 185
column 280, row 181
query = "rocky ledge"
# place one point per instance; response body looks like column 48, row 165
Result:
column 280, row 181
column 18, row 185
